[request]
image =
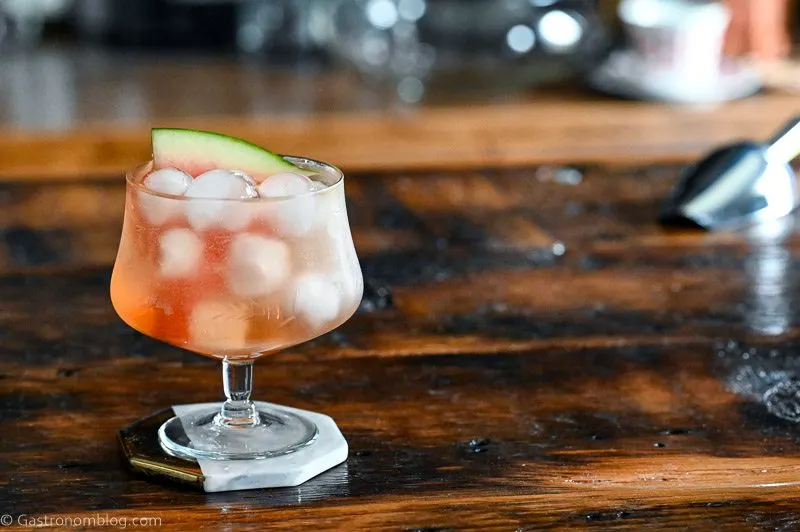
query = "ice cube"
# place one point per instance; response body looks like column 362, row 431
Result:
column 284, row 184
column 316, row 300
column 357, row 284
column 290, row 217
column 257, row 265
column 209, row 210
column 332, row 212
column 352, row 282
column 180, row 253
column 219, row 325
column 159, row 210
column 337, row 226
column 168, row 181
column 347, row 267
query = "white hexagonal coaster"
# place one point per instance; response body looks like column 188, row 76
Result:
column 327, row 451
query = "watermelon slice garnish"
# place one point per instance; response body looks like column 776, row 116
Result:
column 196, row 152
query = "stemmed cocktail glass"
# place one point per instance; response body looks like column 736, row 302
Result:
column 237, row 278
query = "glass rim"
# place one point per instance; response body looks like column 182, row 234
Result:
column 329, row 168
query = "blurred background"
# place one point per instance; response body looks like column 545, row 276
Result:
column 60, row 58
column 68, row 60
column 546, row 88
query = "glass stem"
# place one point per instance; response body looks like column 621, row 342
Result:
column 238, row 411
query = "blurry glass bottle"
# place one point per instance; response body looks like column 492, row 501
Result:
column 278, row 28
column 21, row 21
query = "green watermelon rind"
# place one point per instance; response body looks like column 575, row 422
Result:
column 196, row 151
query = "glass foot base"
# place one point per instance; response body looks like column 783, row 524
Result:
column 201, row 435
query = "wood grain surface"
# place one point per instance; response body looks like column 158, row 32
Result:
column 635, row 378
column 83, row 114
column 548, row 129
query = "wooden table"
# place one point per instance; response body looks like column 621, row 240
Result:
column 498, row 386
column 533, row 350
column 86, row 114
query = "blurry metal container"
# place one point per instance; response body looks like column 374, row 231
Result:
column 505, row 42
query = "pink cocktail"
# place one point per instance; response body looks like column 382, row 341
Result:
column 235, row 267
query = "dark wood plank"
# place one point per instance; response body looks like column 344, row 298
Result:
column 485, row 383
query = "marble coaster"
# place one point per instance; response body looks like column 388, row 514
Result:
column 139, row 443
column 328, row 450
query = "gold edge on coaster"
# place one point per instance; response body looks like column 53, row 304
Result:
column 139, row 443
